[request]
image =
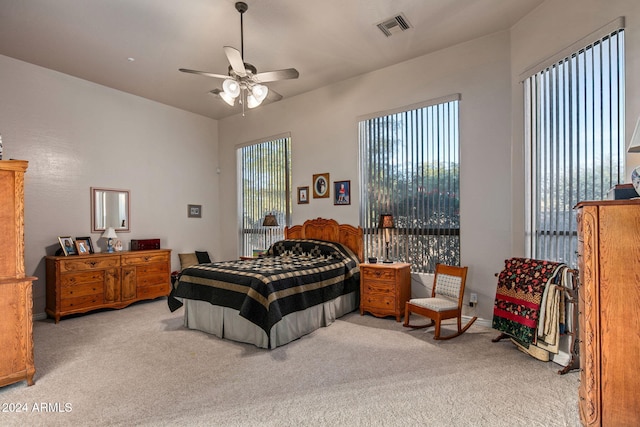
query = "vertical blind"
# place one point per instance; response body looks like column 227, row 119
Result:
column 265, row 180
column 574, row 135
column 409, row 165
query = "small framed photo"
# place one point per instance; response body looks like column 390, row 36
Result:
column 342, row 192
column 320, row 185
column 66, row 243
column 194, row 211
column 86, row 243
column 303, row 195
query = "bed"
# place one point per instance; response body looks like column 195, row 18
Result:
column 304, row 282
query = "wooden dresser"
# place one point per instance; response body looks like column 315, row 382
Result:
column 384, row 289
column 609, row 305
column 81, row 283
column 16, row 301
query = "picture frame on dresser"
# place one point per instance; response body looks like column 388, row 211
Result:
column 87, row 243
column 67, row 245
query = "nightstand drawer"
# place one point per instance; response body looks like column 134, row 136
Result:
column 376, row 288
column 381, row 274
column 385, row 302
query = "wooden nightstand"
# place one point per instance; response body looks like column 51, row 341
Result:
column 384, row 289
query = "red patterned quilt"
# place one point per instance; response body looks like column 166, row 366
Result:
column 520, row 288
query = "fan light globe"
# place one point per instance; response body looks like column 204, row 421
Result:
column 227, row 98
column 231, row 88
column 252, row 102
column 260, row 92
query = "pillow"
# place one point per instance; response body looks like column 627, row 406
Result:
column 203, row 257
column 187, row 260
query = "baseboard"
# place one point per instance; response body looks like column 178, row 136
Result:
column 479, row 321
column 39, row 316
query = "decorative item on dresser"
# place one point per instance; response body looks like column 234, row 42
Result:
column 609, row 297
column 16, row 300
column 384, row 289
column 105, row 280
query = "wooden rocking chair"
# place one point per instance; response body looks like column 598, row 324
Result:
column 445, row 301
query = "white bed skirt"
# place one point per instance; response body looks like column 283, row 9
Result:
column 226, row 323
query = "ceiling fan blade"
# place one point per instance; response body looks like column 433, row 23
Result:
column 272, row 76
column 273, row 96
column 235, row 60
column 204, row 73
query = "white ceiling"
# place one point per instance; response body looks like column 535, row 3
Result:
column 325, row 40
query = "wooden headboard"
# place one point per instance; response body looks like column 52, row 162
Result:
column 329, row 229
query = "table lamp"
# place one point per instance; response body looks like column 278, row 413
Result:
column 270, row 220
column 109, row 234
column 386, row 223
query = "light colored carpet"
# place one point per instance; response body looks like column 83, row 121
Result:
column 140, row 366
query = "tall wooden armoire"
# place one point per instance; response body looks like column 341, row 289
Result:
column 609, row 304
column 16, row 301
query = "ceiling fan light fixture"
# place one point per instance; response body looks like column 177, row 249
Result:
column 252, row 102
column 231, row 100
column 260, row 92
column 231, row 88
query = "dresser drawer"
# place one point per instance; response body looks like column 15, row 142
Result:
column 154, row 291
column 152, row 279
column 77, row 303
column 80, row 290
column 379, row 274
column 89, row 263
column 80, row 278
column 145, row 259
column 152, row 268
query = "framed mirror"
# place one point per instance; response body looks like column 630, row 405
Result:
column 109, row 208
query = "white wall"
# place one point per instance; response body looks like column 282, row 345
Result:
column 77, row 134
column 323, row 126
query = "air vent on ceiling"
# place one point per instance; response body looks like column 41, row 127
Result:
column 394, row 25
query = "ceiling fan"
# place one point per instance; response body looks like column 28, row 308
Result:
column 243, row 80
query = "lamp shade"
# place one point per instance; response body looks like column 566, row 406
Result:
column 270, row 221
column 110, row 233
column 634, row 145
column 386, row 221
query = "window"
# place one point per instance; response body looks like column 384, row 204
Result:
column 265, row 174
column 410, row 169
column 574, row 121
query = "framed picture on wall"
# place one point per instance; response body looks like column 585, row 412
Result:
column 320, row 185
column 303, row 195
column 194, row 211
column 342, row 192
